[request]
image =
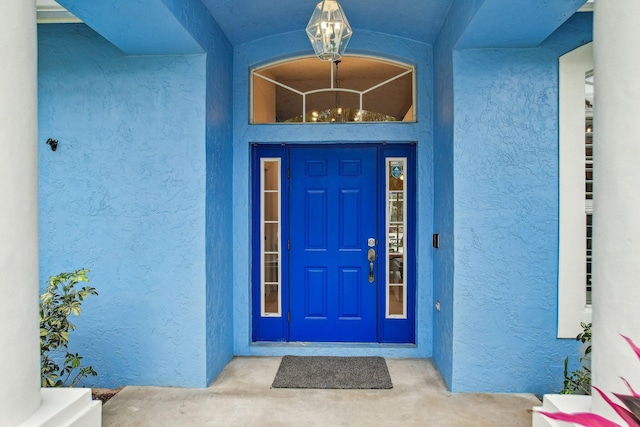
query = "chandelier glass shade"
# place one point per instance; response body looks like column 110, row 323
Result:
column 329, row 31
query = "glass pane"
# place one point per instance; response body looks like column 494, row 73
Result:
column 396, row 238
column 264, row 100
column 589, row 126
column 271, row 206
column 396, row 269
column 589, row 289
column 589, row 174
column 383, row 100
column 333, row 107
column 288, row 105
column 301, row 74
column 396, row 300
column 271, row 298
column 396, row 176
column 271, row 170
column 271, row 238
column 589, row 256
column 271, row 268
column 384, row 97
column 396, row 207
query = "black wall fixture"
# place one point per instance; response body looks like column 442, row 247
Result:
column 53, row 143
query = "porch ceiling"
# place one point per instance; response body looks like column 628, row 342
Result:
column 149, row 27
column 246, row 20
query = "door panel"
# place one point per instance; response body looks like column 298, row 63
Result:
column 333, row 211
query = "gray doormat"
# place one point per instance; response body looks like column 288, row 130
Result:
column 332, row 372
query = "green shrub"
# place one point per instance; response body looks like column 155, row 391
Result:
column 630, row 412
column 579, row 381
column 59, row 300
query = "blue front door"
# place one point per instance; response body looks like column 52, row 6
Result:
column 333, row 222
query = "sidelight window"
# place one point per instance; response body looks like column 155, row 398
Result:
column 576, row 190
column 396, row 224
column 270, row 231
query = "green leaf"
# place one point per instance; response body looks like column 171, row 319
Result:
column 59, row 300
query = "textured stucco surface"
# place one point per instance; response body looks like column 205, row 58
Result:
column 137, row 27
column 220, row 174
column 459, row 16
column 296, row 44
column 418, row 20
column 496, row 190
column 124, row 196
column 506, row 216
column 515, row 24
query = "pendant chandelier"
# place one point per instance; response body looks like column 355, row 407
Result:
column 328, row 30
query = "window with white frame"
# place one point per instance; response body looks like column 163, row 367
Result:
column 576, row 190
column 352, row 89
column 396, row 224
column 270, row 248
column 588, row 145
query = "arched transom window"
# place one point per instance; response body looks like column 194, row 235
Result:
column 353, row 89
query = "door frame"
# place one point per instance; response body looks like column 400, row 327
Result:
column 276, row 327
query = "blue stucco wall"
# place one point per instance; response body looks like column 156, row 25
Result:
column 137, row 27
column 506, row 222
column 296, row 44
column 124, row 196
column 459, row 16
column 514, row 24
column 496, row 201
column 220, row 173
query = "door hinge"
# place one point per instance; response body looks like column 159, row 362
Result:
column 288, row 316
column 288, row 245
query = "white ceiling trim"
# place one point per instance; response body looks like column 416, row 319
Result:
column 588, row 7
column 50, row 12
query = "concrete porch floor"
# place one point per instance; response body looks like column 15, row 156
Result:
column 242, row 396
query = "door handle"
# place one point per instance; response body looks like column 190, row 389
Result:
column 371, row 254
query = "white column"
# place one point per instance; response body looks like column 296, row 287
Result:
column 19, row 338
column 616, row 265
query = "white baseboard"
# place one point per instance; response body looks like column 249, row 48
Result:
column 66, row 407
column 559, row 403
